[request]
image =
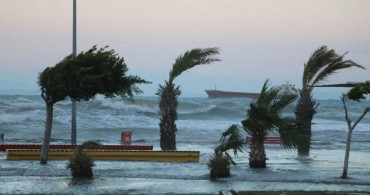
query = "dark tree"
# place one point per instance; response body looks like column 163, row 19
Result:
column 319, row 67
column 168, row 93
column 82, row 77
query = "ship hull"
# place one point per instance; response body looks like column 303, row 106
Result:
column 228, row 94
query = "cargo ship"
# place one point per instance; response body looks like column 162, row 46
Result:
column 284, row 89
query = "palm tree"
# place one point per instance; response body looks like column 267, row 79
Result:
column 319, row 67
column 169, row 93
column 219, row 163
column 263, row 116
column 80, row 163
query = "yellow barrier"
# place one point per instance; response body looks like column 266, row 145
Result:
column 136, row 155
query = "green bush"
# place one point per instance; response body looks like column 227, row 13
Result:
column 219, row 165
column 80, row 163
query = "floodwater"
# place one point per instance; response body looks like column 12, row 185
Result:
column 200, row 125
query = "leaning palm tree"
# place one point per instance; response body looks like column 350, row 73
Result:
column 319, row 67
column 80, row 163
column 263, row 116
column 169, row 93
column 219, row 163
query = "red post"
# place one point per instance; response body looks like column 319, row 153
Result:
column 126, row 138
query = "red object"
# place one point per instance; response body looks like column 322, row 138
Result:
column 126, row 138
column 268, row 140
column 3, row 147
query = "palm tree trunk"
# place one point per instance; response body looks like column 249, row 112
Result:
column 168, row 107
column 305, row 145
column 346, row 157
column 257, row 155
column 304, row 112
column 47, row 134
column 168, row 136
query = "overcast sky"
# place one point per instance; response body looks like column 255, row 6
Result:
column 258, row 39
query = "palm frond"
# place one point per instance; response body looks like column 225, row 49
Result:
column 323, row 63
column 291, row 134
column 267, row 94
column 284, row 101
column 258, row 119
column 333, row 67
column 230, row 158
column 193, row 58
column 317, row 61
column 235, row 140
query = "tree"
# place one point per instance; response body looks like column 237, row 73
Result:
column 357, row 93
column 219, row 163
column 169, row 93
column 80, row 163
column 263, row 116
column 319, row 67
column 82, row 77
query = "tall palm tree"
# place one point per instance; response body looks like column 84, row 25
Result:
column 319, row 67
column 169, row 93
column 263, row 116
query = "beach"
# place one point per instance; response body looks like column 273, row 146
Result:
column 200, row 125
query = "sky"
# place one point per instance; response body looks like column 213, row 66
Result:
column 258, row 39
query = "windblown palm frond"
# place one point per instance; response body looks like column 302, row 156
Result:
column 284, row 101
column 324, row 63
column 193, row 58
column 318, row 59
column 333, row 67
column 235, row 140
column 265, row 114
column 291, row 134
column 267, row 95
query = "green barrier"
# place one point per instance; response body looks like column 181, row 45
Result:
column 1, row 137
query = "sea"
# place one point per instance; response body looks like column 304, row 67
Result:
column 201, row 121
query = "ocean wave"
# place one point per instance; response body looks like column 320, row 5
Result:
column 186, row 108
column 151, row 108
column 136, row 106
column 22, row 102
column 22, row 117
